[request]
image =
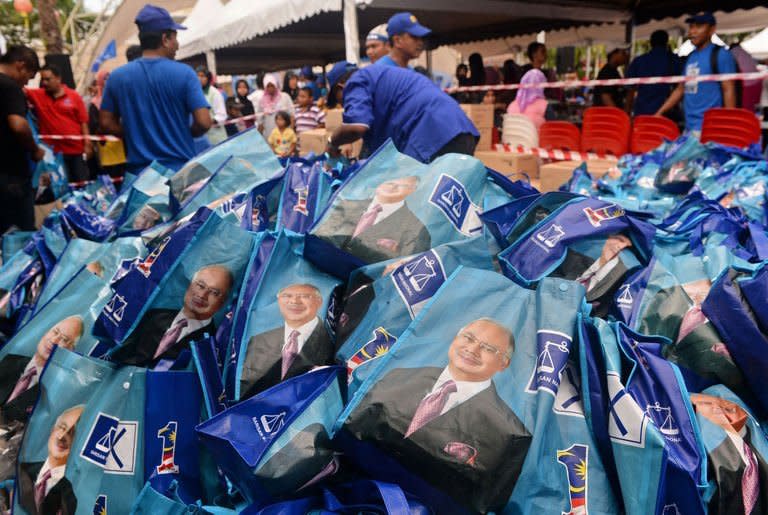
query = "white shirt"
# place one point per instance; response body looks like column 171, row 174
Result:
column 56, row 474
column 32, row 364
column 386, row 209
column 304, row 332
column 738, row 441
column 192, row 325
column 268, row 119
column 465, row 390
column 597, row 272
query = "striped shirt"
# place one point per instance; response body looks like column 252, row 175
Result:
column 308, row 119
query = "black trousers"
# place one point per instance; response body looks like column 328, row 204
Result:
column 463, row 143
column 76, row 168
column 17, row 204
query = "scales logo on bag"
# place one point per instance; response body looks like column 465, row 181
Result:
column 597, row 216
column 111, row 444
column 574, row 459
column 625, row 296
column 267, row 425
column 553, row 348
column 451, row 197
column 549, row 237
column 100, row 506
column 418, row 280
column 168, row 435
column 115, row 308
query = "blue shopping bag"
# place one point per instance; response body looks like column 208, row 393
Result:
column 97, row 427
column 278, row 441
column 394, row 206
column 514, row 437
column 286, row 310
column 306, row 190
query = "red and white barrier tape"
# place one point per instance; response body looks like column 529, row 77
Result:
column 618, row 82
column 96, row 137
column 557, row 155
column 80, row 184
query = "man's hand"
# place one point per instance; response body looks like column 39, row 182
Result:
column 88, row 149
column 38, row 154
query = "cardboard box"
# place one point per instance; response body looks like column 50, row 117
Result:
column 485, row 143
column 554, row 175
column 314, row 140
column 510, row 164
column 480, row 114
column 333, row 119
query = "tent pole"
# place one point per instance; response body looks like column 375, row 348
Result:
column 629, row 36
column 210, row 61
column 351, row 32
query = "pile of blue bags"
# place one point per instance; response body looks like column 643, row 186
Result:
column 250, row 336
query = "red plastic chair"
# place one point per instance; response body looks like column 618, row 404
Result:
column 559, row 136
column 648, row 132
column 734, row 127
column 605, row 130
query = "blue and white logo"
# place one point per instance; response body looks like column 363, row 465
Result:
column 269, row 424
column 451, row 197
column 111, row 444
column 418, row 279
column 115, row 308
column 553, row 349
column 626, row 419
column 549, row 237
column 568, row 398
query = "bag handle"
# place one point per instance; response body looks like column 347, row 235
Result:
column 391, row 495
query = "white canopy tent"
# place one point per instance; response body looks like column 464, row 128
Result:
column 757, row 45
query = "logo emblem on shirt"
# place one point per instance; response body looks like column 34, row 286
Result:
column 575, row 459
column 451, row 197
column 597, row 216
column 111, row 444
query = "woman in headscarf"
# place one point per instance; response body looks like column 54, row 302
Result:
column 530, row 101
column 269, row 101
column 111, row 154
column 242, row 90
column 216, row 101
column 291, row 85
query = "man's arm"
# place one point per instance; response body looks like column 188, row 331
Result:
column 88, row 144
column 631, row 92
column 674, row 98
column 109, row 124
column 607, row 99
column 729, row 93
column 20, row 127
column 201, row 121
column 346, row 133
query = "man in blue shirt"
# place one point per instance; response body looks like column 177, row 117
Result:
column 701, row 96
column 406, row 40
column 659, row 62
column 382, row 102
column 149, row 101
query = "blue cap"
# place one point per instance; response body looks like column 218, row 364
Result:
column 156, row 19
column 338, row 71
column 406, row 22
column 702, row 17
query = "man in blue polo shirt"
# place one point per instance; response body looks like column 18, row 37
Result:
column 698, row 97
column 149, row 102
column 406, row 40
column 658, row 62
column 382, row 102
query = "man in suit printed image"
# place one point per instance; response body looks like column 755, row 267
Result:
column 379, row 228
column 43, row 489
column 20, row 375
column 449, row 425
column 163, row 333
column 294, row 348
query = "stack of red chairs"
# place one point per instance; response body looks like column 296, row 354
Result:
column 648, row 132
column 605, row 130
column 559, row 136
column 734, row 127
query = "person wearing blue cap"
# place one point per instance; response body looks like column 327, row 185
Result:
column 707, row 58
column 149, row 102
column 406, row 39
column 382, row 102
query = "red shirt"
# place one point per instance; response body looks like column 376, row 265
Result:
column 62, row 115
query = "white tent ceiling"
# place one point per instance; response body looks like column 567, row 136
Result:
column 757, row 45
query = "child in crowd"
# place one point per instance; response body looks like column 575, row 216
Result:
column 283, row 139
column 234, row 110
column 307, row 116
